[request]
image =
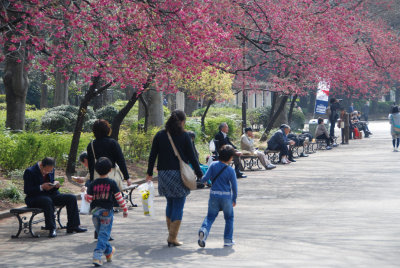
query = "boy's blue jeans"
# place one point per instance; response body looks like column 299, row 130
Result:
column 102, row 220
column 214, row 206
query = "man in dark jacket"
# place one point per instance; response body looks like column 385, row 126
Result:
column 334, row 116
column 42, row 192
column 279, row 141
column 222, row 139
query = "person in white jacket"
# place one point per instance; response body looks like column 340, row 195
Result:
column 247, row 147
column 394, row 120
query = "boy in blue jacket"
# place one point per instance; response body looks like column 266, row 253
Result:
column 223, row 195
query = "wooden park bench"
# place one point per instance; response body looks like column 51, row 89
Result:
column 26, row 225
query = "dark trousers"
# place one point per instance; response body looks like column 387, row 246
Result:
column 327, row 139
column 283, row 150
column 236, row 162
column 47, row 203
column 332, row 128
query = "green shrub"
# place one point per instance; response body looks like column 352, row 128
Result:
column 216, row 111
column 108, row 113
column 260, row 116
column 2, row 98
column 88, row 125
column 194, row 124
column 21, row 150
column 32, row 124
column 12, row 193
column 16, row 174
column 212, row 126
column 298, row 120
column 63, row 118
column 137, row 144
column 384, row 107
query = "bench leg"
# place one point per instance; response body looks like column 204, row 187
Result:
column 59, row 218
column 130, row 198
column 19, row 225
column 30, row 226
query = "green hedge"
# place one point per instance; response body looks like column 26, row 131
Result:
column 108, row 113
column 21, row 150
column 63, row 118
column 212, row 126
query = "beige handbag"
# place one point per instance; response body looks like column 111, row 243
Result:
column 187, row 173
column 115, row 173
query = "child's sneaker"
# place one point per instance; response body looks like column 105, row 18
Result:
column 229, row 244
column 109, row 256
column 97, row 262
column 201, row 241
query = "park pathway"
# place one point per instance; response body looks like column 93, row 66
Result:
column 338, row 208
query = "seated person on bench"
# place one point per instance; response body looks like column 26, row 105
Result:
column 222, row 139
column 356, row 119
column 247, row 147
column 42, row 192
column 322, row 134
column 280, row 142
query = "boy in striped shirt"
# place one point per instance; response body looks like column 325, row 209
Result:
column 100, row 196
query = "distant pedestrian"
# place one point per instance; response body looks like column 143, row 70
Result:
column 223, row 195
column 365, row 111
column 334, row 116
column 351, row 108
column 394, row 120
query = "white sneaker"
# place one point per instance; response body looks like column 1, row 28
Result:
column 270, row 166
column 229, row 244
column 395, row 150
column 285, row 161
column 328, row 147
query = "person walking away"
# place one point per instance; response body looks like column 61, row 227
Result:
column 365, row 111
column 334, row 116
column 223, row 194
column 394, row 120
column 247, row 147
column 105, row 146
column 100, row 195
column 170, row 182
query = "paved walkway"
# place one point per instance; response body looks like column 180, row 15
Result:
column 337, row 208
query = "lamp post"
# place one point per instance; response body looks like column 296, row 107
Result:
column 244, row 92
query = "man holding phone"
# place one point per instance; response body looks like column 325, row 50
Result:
column 42, row 192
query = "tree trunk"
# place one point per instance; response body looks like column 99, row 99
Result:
column 397, row 95
column 90, row 94
column 44, row 92
column 290, row 115
column 311, row 104
column 116, row 123
column 153, row 98
column 203, row 116
column 274, row 117
column 190, row 105
column 61, row 90
column 16, row 86
column 146, row 112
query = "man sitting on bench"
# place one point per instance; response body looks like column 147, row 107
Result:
column 322, row 134
column 42, row 192
column 247, row 147
column 280, row 142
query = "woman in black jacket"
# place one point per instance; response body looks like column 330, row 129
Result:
column 170, row 182
column 104, row 146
